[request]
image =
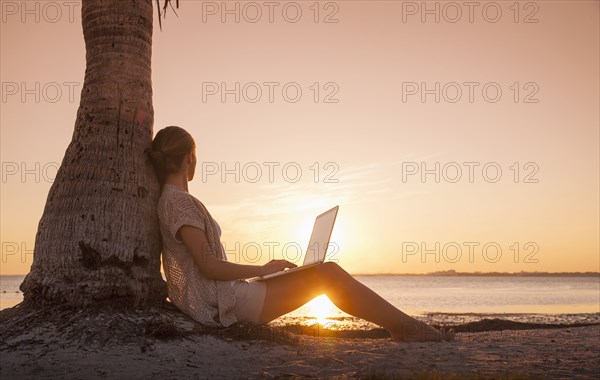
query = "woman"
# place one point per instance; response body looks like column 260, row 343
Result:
column 203, row 284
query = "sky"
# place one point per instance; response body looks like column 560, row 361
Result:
column 452, row 136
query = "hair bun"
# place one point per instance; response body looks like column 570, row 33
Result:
column 168, row 150
column 155, row 154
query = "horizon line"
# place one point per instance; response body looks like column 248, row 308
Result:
column 441, row 273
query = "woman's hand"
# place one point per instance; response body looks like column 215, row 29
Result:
column 216, row 269
column 276, row 266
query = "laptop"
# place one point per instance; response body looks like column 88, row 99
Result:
column 317, row 246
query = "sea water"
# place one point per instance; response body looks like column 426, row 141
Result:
column 464, row 299
column 450, row 299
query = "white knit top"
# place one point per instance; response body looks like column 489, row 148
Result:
column 210, row 302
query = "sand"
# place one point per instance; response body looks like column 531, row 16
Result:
column 549, row 353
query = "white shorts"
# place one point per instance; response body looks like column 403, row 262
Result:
column 249, row 300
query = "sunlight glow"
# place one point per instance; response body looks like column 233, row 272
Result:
column 303, row 232
column 321, row 308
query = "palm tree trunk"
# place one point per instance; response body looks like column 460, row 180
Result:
column 98, row 239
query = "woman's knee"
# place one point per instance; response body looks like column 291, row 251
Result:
column 331, row 271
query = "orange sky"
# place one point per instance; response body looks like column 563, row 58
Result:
column 372, row 66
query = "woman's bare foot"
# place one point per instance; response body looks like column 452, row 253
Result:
column 422, row 332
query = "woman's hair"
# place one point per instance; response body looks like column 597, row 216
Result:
column 169, row 147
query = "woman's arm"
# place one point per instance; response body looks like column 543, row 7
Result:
column 217, row 269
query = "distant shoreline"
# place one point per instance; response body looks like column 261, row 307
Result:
column 487, row 274
column 454, row 273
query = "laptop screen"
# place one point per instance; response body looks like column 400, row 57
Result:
column 319, row 239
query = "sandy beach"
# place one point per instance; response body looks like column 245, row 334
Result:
column 572, row 352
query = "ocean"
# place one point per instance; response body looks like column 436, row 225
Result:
column 449, row 300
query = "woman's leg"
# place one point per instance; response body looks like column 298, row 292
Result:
column 289, row 292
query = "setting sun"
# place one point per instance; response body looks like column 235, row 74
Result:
column 321, row 308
